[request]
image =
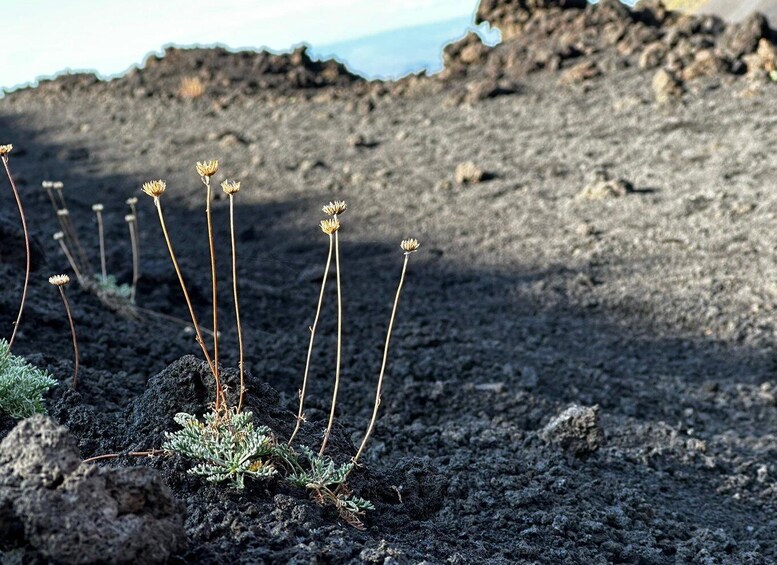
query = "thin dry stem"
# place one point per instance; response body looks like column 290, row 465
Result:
column 133, row 227
column 70, row 260
column 237, row 306
column 72, row 333
column 149, row 453
column 103, row 267
column 339, row 346
column 211, row 245
column 300, row 413
column 27, row 251
column 175, row 319
column 196, row 325
column 383, row 365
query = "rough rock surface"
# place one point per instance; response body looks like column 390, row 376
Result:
column 575, row 430
column 581, row 41
column 56, row 508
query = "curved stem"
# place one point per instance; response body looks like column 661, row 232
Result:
column 149, row 453
column 72, row 333
column 300, row 415
column 211, row 245
column 135, row 258
column 339, row 347
column 27, row 250
column 383, row 365
column 234, row 292
column 70, row 260
column 185, row 292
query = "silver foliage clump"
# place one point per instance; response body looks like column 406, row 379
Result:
column 326, row 482
column 227, row 447
column 22, row 385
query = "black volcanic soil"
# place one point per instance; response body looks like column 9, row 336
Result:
column 618, row 254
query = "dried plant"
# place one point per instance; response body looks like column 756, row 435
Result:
column 60, row 238
column 68, row 239
column 206, row 170
column 132, row 201
column 333, row 225
column 329, row 227
column 155, row 189
column 98, row 210
column 60, row 281
column 231, row 188
column 22, row 385
column 132, row 224
column 191, row 88
column 227, row 449
column 409, row 246
column 66, row 223
column 4, row 151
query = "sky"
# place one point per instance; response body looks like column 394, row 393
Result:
column 380, row 38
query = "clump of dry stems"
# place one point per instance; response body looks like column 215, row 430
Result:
column 334, row 209
column 206, row 170
column 227, row 435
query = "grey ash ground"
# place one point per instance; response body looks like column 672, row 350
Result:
column 620, row 255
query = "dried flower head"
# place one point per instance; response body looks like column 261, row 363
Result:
column 230, row 186
column 97, row 207
column 409, row 245
column 330, row 226
column 154, row 188
column 59, row 235
column 191, row 88
column 132, row 201
column 59, row 280
column 47, row 184
column 207, row 168
column 129, row 218
column 5, row 149
column 334, row 208
column 63, row 212
column 57, row 185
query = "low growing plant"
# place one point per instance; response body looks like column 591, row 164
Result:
column 109, row 285
column 22, row 385
column 326, row 482
column 226, row 446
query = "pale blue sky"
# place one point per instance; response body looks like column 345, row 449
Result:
column 44, row 37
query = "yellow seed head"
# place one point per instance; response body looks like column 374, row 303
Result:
column 59, row 235
column 230, row 186
column 154, row 188
column 5, row 149
column 97, row 207
column 409, row 245
column 330, row 226
column 47, row 184
column 334, row 208
column 132, row 201
column 63, row 212
column 57, row 185
column 59, row 280
column 207, row 168
column 129, row 218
